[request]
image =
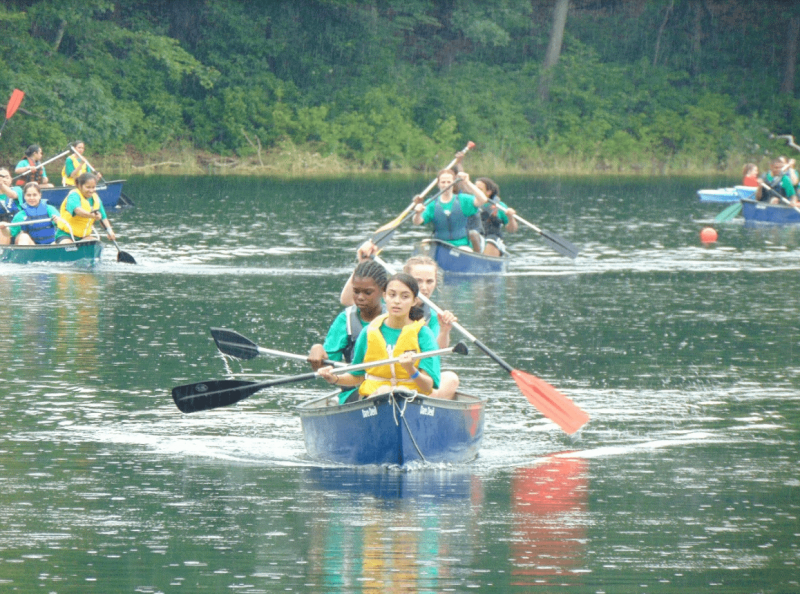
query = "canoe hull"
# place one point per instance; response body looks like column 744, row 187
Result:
column 393, row 429
column 454, row 260
column 109, row 194
column 85, row 252
column 763, row 212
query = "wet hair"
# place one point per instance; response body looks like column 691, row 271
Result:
column 85, row 177
column 34, row 148
column 31, row 185
column 492, row 189
column 416, row 312
column 373, row 270
column 424, row 261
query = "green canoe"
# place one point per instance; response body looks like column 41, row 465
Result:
column 85, row 252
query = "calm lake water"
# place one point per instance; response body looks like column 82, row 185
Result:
column 685, row 480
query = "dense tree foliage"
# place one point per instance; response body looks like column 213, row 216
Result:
column 634, row 84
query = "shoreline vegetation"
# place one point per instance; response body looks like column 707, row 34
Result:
column 291, row 161
column 304, row 88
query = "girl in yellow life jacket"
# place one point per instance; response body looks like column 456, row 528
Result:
column 401, row 332
column 74, row 166
column 80, row 209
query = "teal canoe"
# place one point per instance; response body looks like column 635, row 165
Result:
column 84, row 252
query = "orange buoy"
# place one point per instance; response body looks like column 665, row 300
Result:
column 708, row 235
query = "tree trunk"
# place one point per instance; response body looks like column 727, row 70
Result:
column 787, row 85
column 554, row 47
column 661, row 32
column 62, row 28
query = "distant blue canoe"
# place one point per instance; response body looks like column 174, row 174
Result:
column 726, row 194
column 455, row 260
column 393, row 429
column 109, row 193
column 763, row 212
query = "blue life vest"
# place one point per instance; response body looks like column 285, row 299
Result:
column 449, row 228
column 41, row 233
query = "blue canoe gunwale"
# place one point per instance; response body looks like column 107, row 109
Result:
column 109, row 193
column 394, row 428
column 733, row 194
column 455, row 260
column 764, row 212
column 84, row 251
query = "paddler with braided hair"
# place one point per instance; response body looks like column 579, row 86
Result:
column 401, row 332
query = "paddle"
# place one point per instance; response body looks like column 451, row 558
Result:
column 123, row 257
column 11, row 106
column 191, row 398
column 726, row 215
column 381, row 238
column 123, row 197
column 402, row 216
column 559, row 244
column 550, row 402
column 43, row 164
column 233, row 344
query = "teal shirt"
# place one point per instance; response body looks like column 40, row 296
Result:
column 427, row 342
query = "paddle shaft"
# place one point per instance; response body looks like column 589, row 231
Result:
column 466, row 333
column 778, row 195
column 43, row 164
column 562, row 246
column 32, row 222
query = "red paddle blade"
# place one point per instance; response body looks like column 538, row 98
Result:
column 13, row 102
column 550, row 402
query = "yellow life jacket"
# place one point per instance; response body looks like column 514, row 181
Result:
column 377, row 350
column 81, row 227
column 77, row 164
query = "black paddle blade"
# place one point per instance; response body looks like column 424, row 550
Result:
column 560, row 245
column 126, row 200
column 125, row 258
column 234, row 344
column 381, row 238
column 212, row 394
column 460, row 349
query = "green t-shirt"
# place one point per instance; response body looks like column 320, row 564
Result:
column 467, row 202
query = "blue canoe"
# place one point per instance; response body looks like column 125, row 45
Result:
column 109, row 193
column 393, row 429
column 726, row 194
column 455, row 260
column 85, row 252
column 763, row 212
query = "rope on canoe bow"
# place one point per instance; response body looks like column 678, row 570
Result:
column 395, row 409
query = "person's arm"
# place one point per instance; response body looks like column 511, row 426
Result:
column 512, row 225
column 446, row 320
column 8, row 191
column 469, row 188
column 364, row 252
column 423, row 381
column 23, row 167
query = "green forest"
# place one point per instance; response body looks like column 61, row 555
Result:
column 328, row 86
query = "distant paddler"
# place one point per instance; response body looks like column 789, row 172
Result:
column 75, row 165
column 31, row 168
column 81, row 208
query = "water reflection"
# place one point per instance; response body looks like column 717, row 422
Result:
column 549, row 504
column 393, row 531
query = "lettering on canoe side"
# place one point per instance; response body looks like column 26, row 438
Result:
column 427, row 410
column 369, row 412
